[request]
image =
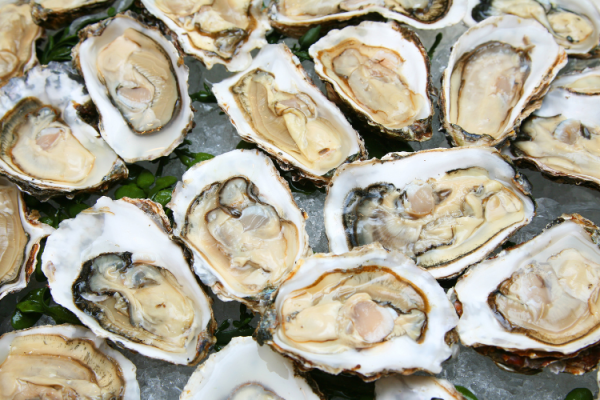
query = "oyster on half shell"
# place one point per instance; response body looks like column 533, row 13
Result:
column 53, row 14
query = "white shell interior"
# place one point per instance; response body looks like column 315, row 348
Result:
column 400, row 387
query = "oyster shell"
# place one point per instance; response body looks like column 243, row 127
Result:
column 53, row 14
column 244, row 228
column 243, row 370
column 274, row 104
column 63, row 361
column 349, row 312
column 519, row 56
column 19, row 241
column 536, row 304
column 294, row 17
column 215, row 31
column 575, row 25
column 46, row 147
column 446, row 208
column 18, row 34
column 415, row 388
column 138, row 82
column 118, row 269
column 381, row 72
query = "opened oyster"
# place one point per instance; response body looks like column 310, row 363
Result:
column 46, row 147
column 350, row 312
column 415, row 388
column 244, row 228
column 18, row 34
column 381, row 72
column 63, row 362
column 445, row 208
column 575, row 25
column 537, row 304
column 562, row 138
column 496, row 76
column 275, row 105
column 294, row 17
column 116, row 267
column 138, row 82
column 215, row 31
column 53, row 14
column 243, row 370
column 19, row 239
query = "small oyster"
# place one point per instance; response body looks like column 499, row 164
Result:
column 54, row 14
column 415, row 388
column 63, row 361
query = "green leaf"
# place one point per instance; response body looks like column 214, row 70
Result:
column 436, row 43
column 39, row 274
column 162, row 183
column 310, row 37
column 378, row 147
column 246, row 145
column 301, row 54
column 134, row 172
column 466, row 392
column 163, row 197
column 30, row 306
column 580, row 394
column 75, row 209
column 191, row 159
column 204, row 96
column 61, row 315
column 48, row 221
column 274, row 37
column 145, row 179
column 41, row 295
column 131, row 190
column 111, row 12
column 23, row 321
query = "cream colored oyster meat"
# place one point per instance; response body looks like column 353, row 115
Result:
column 140, row 80
column 245, row 239
column 13, row 238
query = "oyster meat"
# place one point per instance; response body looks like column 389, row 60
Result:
column 243, row 370
column 47, row 148
column 215, row 31
column 53, row 14
column 63, row 362
column 138, row 82
column 19, row 239
column 239, row 218
column 275, row 105
column 537, row 303
column 381, row 72
column 496, row 76
column 116, row 267
column 447, row 209
column 415, row 388
column 349, row 312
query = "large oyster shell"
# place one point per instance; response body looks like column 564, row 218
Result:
column 519, row 56
column 117, row 268
column 241, row 221
column 138, row 81
column 381, row 72
column 64, row 361
column 446, row 208
column 298, row 125
column 53, row 14
column 350, row 312
column 47, row 148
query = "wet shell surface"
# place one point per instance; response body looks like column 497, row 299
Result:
column 54, row 14
column 64, row 361
column 117, row 268
column 368, row 312
column 415, row 388
column 243, row 370
column 381, row 72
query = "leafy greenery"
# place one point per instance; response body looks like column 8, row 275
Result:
column 37, row 303
column 580, row 394
column 436, row 43
column 308, row 39
column 274, row 37
column 204, row 96
column 466, row 392
column 241, row 327
column 343, row 386
column 58, row 47
column 378, row 146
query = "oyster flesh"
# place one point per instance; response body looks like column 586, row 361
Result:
column 244, row 228
column 537, row 303
column 445, row 208
column 138, row 82
column 53, row 14
column 117, row 268
column 350, row 312
column 63, row 362
column 496, row 76
column 274, row 104
column 415, row 388
column 381, row 72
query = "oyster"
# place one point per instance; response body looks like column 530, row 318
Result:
column 18, row 34
column 294, row 17
column 138, row 82
column 116, row 267
column 63, row 362
column 275, row 105
column 244, row 228
column 46, row 146
column 349, row 312
column 445, row 208
column 215, row 31
column 53, row 14
column 381, row 72
column 562, row 138
column 19, row 240
column 519, row 57
column 243, row 370
column 575, row 25
column 415, row 388
column 537, row 303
